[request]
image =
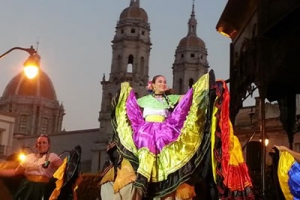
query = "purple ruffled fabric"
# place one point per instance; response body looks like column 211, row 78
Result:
column 156, row 135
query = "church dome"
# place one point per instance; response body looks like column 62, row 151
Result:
column 191, row 41
column 40, row 86
column 134, row 12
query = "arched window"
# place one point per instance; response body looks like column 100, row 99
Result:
column 130, row 63
column 129, row 68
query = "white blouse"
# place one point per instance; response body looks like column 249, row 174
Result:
column 33, row 165
column 151, row 111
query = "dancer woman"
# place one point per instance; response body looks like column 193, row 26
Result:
column 37, row 168
column 166, row 141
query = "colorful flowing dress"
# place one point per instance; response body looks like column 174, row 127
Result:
column 289, row 176
column 170, row 149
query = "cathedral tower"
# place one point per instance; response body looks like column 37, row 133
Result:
column 130, row 59
column 190, row 58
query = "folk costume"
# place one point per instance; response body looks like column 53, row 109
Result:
column 38, row 171
column 289, row 176
column 170, row 145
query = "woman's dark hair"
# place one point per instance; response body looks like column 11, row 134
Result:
column 155, row 77
column 167, row 92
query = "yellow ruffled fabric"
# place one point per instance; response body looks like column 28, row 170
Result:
column 286, row 160
column 59, row 175
column 176, row 154
column 108, row 177
column 126, row 175
column 213, row 139
column 236, row 153
column 124, row 129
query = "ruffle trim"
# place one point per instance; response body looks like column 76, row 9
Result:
column 233, row 181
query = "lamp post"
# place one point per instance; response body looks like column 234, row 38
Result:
column 31, row 65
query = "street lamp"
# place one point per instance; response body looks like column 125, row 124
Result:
column 266, row 142
column 32, row 64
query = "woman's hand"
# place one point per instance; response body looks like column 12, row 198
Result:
column 281, row 148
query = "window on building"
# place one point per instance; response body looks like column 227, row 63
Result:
column 130, row 63
column 132, row 30
column 23, row 122
column 129, row 68
column 143, row 32
column 122, row 31
column 44, row 127
column 192, row 55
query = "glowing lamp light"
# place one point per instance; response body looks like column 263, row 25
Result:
column 225, row 34
column 31, row 66
column 31, row 71
column 266, row 141
column 22, row 157
column 227, row 31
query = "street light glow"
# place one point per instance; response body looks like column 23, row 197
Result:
column 32, row 64
column 31, row 71
column 266, row 141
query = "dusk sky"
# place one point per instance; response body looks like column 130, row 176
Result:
column 74, row 41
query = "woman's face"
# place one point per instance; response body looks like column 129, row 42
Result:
column 42, row 144
column 160, row 85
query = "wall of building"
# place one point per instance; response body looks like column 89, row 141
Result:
column 7, row 123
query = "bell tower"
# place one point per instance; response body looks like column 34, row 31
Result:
column 190, row 58
column 131, row 47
